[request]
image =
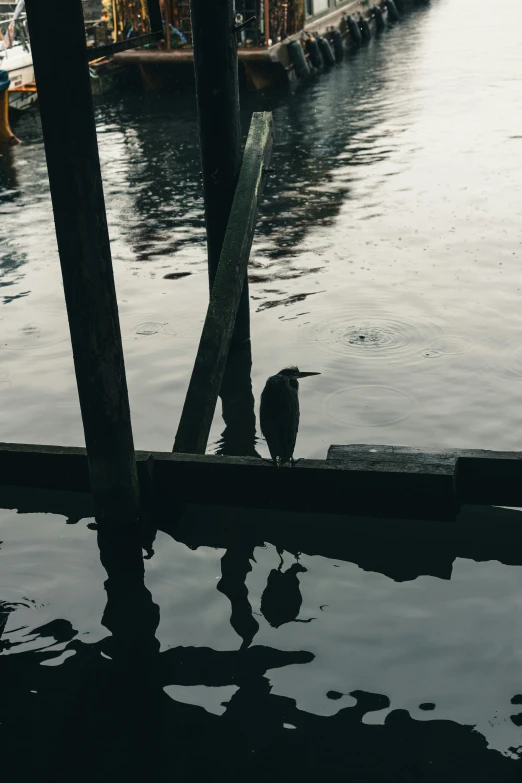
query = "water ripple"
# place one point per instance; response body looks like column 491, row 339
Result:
column 503, row 357
column 378, row 335
column 369, row 405
column 32, row 330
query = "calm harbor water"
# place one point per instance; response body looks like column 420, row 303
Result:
column 387, row 257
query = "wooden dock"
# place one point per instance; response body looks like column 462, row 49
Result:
column 354, row 481
column 266, row 61
column 175, row 56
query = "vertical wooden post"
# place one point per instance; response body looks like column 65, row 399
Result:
column 168, row 19
column 267, row 22
column 114, row 25
column 238, row 439
column 217, row 87
column 67, row 115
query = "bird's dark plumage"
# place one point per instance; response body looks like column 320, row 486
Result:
column 279, row 413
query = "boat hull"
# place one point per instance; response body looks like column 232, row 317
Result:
column 21, row 100
column 19, row 66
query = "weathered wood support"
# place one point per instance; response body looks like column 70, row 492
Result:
column 419, row 487
column 217, row 90
column 66, row 110
column 238, row 439
column 267, row 22
column 360, row 480
column 217, row 335
column 168, row 20
column 482, row 477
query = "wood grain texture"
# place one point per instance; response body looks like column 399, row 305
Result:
column 214, row 43
column 69, row 132
column 384, row 488
column 481, row 476
column 205, row 383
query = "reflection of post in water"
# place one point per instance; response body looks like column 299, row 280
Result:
column 238, row 406
column 132, row 695
column 130, row 614
column 235, row 567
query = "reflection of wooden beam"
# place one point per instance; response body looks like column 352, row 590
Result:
column 205, row 383
column 402, row 549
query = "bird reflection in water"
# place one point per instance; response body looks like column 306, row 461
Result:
column 282, row 600
column 279, row 416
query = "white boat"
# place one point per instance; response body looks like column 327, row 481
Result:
column 16, row 57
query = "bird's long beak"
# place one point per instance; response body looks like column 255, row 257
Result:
column 305, row 374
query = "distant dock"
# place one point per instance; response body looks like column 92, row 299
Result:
column 273, row 49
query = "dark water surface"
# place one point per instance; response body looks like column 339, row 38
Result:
column 387, row 257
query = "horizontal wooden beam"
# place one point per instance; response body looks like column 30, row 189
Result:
column 401, row 549
column 358, row 480
column 177, row 56
column 94, row 52
column 482, row 477
column 366, row 487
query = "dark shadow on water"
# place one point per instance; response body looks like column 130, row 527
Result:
column 100, row 711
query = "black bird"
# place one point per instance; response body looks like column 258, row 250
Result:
column 279, row 413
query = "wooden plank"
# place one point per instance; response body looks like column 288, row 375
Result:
column 482, row 477
column 205, row 383
column 29, row 500
column 120, row 46
column 402, row 549
column 175, row 56
column 69, row 131
column 364, row 488
column 217, row 93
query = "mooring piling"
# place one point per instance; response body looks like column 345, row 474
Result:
column 226, row 295
column 69, row 132
column 217, row 90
